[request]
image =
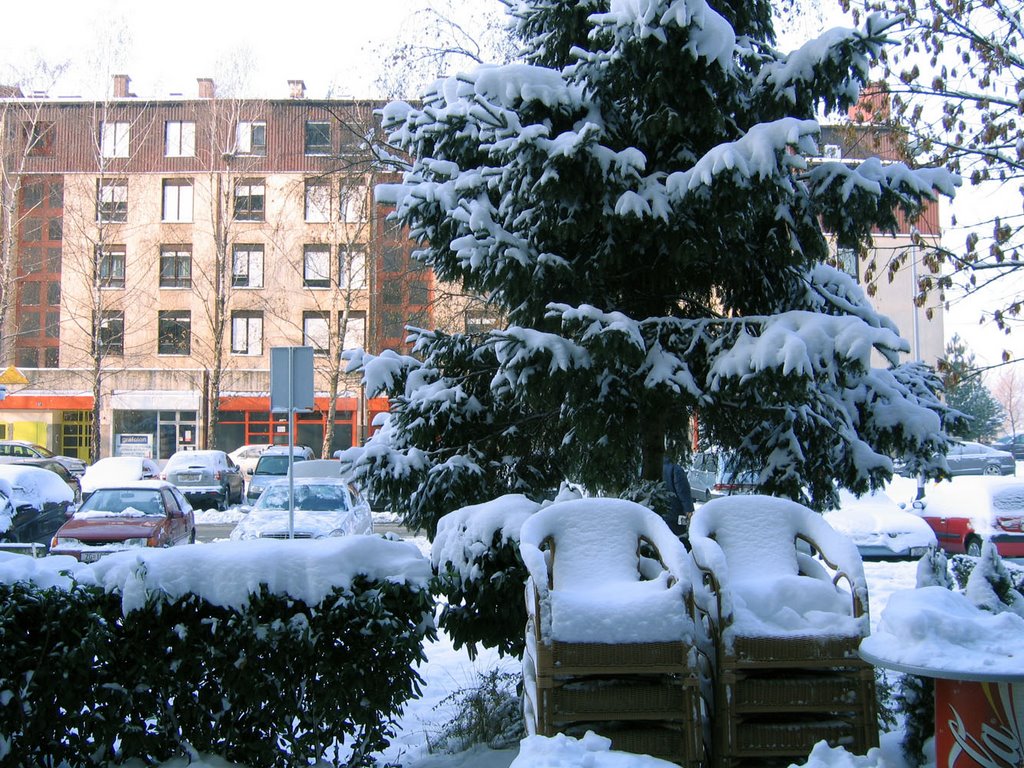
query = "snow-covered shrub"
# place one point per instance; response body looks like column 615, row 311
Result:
column 489, row 712
column 915, row 698
column 479, row 571
column 962, row 566
column 933, row 569
column 990, row 586
column 305, row 650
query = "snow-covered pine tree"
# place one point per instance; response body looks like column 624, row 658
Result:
column 637, row 199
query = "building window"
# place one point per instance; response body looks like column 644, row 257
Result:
column 351, row 268
column 250, row 201
column 316, row 266
column 251, row 138
column 481, row 321
column 419, row 292
column 40, row 138
column 247, row 266
column 318, row 201
column 110, row 337
column 179, row 139
column 392, row 325
column 114, row 139
column 177, row 200
column 52, row 328
column 32, row 230
column 111, row 266
column 318, row 137
column 352, row 205
column 53, row 294
column 846, row 260
column 28, row 324
column 51, row 357
column 31, row 196
column 354, row 336
column 391, row 292
column 247, row 333
column 30, row 293
column 28, row 357
column 316, row 332
column 112, row 200
column 55, row 229
column 176, row 266
column 31, row 260
column 393, row 258
column 175, row 332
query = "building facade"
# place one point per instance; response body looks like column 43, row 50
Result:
column 163, row 247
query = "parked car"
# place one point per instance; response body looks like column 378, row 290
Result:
column 117, row 469
column 324, row 507
column 54, row 466
column 246, row 456
column 207, row 478
column 317, row 468
column 978, row 459
column 23, row 450
column 1013, row 444
column 881, row 528
column 711, row 474
column 272, row 465
column 966, row 510
column 140, row 513
column 34, row 503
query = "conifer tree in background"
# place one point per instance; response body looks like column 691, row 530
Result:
column 966, row 391
column 637, row 200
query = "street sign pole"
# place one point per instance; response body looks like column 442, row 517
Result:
column 291, row 391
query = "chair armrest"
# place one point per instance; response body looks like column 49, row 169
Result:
column 859, row 595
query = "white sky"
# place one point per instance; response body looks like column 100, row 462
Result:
column 332, row 46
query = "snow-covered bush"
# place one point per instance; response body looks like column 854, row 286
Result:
column 488, row 712
column 265, row 654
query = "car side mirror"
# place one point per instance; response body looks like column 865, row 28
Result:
column 251, row 471
column 920, row 504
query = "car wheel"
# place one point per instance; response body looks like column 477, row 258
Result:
column 223, row 502
column 992, row 469
column 973, row 546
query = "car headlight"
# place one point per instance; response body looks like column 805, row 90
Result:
column 138, row 542
column 64, row 541
column 338, row 532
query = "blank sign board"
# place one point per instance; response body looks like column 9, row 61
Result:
column 291, row 379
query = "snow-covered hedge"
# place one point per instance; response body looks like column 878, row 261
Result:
column 268, row 653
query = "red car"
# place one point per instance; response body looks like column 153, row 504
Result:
column 965, row 511
column 142, row 513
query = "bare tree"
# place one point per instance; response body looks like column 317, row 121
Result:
column 1009, row 391
column 23, row 134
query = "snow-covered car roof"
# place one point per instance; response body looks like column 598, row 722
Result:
column 322, row 468
column 113, row 470
column 879, row 526
column 210, row 458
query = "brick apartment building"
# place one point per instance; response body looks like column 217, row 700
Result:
column 162, row 247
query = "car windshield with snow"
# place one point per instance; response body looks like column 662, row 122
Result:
column 273, row 464
column 149, row 513
column 324, row 507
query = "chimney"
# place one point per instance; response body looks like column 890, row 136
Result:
column 297, row 89
column 121, row 86
column 206, row 88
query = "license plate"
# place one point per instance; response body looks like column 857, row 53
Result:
column 91, row 557
column 190, row 477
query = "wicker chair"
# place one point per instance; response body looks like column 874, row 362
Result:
column 611, row 636
column 787, row 619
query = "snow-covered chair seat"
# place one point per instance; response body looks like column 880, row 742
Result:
column 610, row 635
column 765, row 587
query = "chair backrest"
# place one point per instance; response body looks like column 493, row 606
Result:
column 597, row 540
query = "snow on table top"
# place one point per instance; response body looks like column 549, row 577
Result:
column 941, row 633
column 227, row 573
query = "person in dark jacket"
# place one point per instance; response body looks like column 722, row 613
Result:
column 680, row 498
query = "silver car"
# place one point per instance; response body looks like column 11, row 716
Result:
column 978, row 459
column 324, row 507
column 711, row 474
column 207, row 478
